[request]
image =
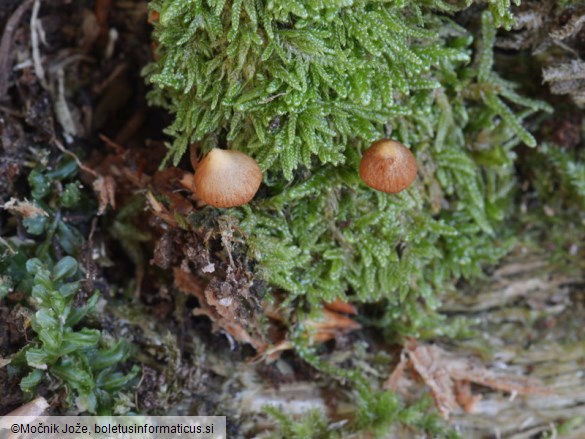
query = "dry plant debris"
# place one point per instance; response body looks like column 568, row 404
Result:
column 33, row 409
column 221, row 308
column 331, row 324
column 6, row 53
column 24, row 208
column 105, row 188
column 544, row 25
column 448, row 376
column 340, row 306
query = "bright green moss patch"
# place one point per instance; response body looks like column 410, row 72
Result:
column 304, row 87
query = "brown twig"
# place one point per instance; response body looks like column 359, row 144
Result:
column 64, row 150
column 119, row 149
column 102, row 12
column 6, row 45
column 36, row 33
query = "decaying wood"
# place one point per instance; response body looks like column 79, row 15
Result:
column 35, row 408
column 543, row 26
column 296, row 399
column 530, row 319
column 30, row 412
column 448, row 376
column 520, row 375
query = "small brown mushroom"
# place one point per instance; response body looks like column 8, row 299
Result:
column 388, row 166
column 227, row 178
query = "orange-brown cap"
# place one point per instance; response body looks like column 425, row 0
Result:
column 227, row 178
column 388, row 166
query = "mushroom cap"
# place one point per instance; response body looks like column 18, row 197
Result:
column 227, row 178
column 388, row 166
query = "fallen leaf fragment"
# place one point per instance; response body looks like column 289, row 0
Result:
column 464, row 397
column 342, row 307
column 24, row 208
column 105, row 189
column 160, row 210
column 448, row 377
column 153, row 17
column 169, row 182
column 328, row 326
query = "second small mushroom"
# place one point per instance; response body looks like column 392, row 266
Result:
column 388, row 166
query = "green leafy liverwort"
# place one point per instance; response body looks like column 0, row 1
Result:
column 81, row 358
column 44, row 269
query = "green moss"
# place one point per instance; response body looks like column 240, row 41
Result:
column 377, row 412
column 304, row 89
column 552, row 217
